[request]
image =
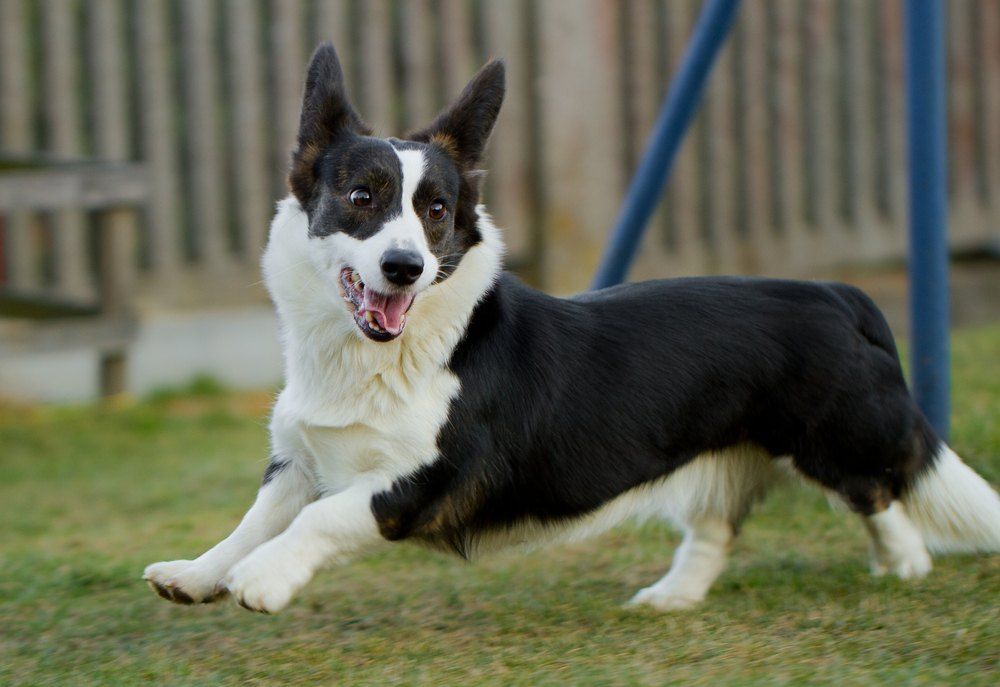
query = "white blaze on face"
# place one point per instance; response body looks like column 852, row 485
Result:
column 405, row 231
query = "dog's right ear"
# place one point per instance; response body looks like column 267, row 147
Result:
column 326, row 114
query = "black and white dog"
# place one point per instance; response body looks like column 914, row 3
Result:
column 431, row 397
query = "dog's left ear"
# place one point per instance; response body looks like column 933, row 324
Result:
column 464, row 127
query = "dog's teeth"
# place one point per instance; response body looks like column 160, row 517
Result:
column 369, row 317
column 355, row 277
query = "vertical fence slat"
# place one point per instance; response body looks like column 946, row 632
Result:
column 334, row 25
column 864, row 132
column 989, row 22
column 759, row 246
column 64, row 124
column 376, row 63
column 160, row 142
column 508, row 158
column 249, row 136
column 333, row 19
column 583, row 178
column 720, row 117
column 777, row 131
column 683, row 180
column 205, row 152
column 15, row 136
column 642, row 71
column 109, row 79
column 959, row 112
column 117, row 237
column 980, row 98
column 881, row 36
column 892, row 47
column 961, row 124
column 459, row 60
column 289, row 54
column 418, row 32
column 796, row 239
column 821, row 84
column 15, row 87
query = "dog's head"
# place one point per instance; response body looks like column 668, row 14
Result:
column 389, row 217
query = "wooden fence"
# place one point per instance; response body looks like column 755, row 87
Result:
column 795, row 165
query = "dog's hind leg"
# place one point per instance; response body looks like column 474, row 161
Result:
column 708, row 497
column 896, row 545
column 870, row 470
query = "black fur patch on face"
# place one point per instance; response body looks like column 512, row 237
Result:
column 356, row 163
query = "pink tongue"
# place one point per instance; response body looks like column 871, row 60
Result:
column 387, row 310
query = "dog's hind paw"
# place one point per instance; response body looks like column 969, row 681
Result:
column 183, row 582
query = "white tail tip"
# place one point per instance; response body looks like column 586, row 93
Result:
column 954, row 508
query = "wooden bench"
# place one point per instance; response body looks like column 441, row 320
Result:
column 37, row 318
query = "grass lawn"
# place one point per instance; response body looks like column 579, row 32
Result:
column 90, row 495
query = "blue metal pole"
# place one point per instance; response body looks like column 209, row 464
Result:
column 678, row 109
column 927, row 146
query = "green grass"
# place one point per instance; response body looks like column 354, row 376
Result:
column 90, row 495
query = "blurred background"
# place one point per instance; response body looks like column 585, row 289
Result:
column 143, row 144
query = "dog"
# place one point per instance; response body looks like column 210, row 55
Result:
column 431, row 397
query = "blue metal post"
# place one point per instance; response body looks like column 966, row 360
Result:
column 678, row 109
column 927, row 147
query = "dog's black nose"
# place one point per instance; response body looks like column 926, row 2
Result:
column 402, row 267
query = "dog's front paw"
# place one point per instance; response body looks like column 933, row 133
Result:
column 183, row 582
column 266, row 580
column 663, row 599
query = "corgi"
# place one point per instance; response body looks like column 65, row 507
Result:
column 431, row 397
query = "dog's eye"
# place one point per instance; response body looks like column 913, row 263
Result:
column 437, row 211
column 361, row 197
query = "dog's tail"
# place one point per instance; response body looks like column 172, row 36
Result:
column 954, row 508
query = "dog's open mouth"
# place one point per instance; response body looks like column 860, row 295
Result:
column 379, row 316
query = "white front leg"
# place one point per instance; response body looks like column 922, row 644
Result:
column 332, row 529
column 279, row 500
column 699, row 559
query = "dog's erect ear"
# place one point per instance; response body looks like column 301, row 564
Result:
column 326, row 114
column 465, row 125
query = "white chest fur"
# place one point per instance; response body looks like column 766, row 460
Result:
column 370, row 430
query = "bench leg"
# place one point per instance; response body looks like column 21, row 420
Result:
column 112, row 373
